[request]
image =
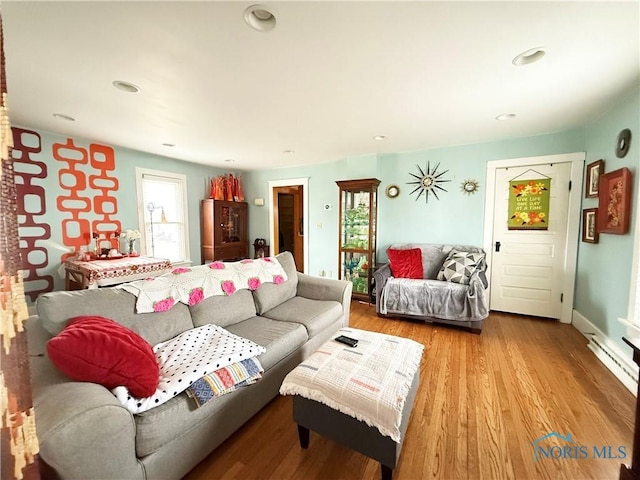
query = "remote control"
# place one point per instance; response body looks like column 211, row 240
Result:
column 352, row 342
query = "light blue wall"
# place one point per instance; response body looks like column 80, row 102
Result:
column 455, row 218
column 323, row 241
column 602, row 282
column 126, row 161
column 604, row 269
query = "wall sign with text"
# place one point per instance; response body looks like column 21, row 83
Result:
column 529, row 204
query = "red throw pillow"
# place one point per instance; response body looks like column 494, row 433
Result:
column 99, row 350
column 405, row 263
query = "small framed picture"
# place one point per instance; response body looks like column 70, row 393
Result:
column 590, row 225
column 614, row 202
column 594, row 170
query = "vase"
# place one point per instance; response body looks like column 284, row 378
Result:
column 132, row 248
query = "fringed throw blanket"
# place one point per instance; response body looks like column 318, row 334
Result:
column 188, row 357
column 225, row 380
column 369, row 382
column 194, row 284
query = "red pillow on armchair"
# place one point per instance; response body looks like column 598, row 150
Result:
column 100, row 350
column 405, row 263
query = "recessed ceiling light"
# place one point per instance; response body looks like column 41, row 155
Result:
column 530, row 56
column 380, row 137
column 506, row 116
column 62, row 116
column 229, row 160
column 259, row 18
column 168, row 144
column 126, row 86
column 289, row 152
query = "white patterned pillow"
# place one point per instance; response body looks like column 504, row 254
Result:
column 459, row 266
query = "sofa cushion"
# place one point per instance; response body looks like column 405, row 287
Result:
column 315, row 315
column 279, row 338
column 160, row 425
column 224, row 310
column 432, row 257
column 98, row 350
column 405, row 263
column 459, row 266
column 56, row 308
column 269, row 295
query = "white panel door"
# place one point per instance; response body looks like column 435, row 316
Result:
column 528, row 265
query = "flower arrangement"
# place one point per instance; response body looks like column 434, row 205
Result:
column 131, row 236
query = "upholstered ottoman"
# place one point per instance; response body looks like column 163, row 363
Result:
column 360, row 397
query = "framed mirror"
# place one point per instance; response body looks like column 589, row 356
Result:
column 392, row 191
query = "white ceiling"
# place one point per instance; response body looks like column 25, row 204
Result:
column 329, row 77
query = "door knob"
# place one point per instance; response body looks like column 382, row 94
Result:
column 497, row 246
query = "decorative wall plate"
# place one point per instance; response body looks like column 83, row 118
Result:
column 428, row 181
column 624, row 142
column 392, row 191
column 469, row 186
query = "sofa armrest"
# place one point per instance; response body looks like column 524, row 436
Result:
column 478, row 280
column 381, row 275
column 319, row 288
column 83, row 430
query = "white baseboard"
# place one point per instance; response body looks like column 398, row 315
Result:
column 623, row 367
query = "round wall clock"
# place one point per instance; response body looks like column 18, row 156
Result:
column 392, row 191
column 624, row 142
column 469, row 186
column 428, row 182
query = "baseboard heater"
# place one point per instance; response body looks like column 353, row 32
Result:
column 627, row 374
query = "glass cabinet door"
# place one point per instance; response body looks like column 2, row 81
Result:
column 355, row 268
column 230, row 223
column 357, row 242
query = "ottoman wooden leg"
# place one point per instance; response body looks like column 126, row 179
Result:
column 387, row 473
column 303, row 436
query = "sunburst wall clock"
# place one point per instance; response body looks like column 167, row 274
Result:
column 428, row 181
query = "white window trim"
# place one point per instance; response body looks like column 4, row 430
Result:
column 141, row 208
column 632, row 322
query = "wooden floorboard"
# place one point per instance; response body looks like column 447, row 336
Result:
column 482, row 401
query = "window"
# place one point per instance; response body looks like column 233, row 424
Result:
column 162, row 214
column 632, row 322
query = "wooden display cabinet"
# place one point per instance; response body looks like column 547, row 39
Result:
column 224, row 230
column 357, row 242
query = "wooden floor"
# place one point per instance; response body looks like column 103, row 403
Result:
column 483, row 399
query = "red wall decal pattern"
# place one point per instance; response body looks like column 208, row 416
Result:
column 30, row 205
column 82, row 209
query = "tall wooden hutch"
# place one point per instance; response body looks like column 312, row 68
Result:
column 357, row 242
column 223, row 230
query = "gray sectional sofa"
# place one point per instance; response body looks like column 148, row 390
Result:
column 85, row 433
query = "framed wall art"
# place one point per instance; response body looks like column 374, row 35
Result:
column 594, row 170
column 614, row 204
column 590, row 225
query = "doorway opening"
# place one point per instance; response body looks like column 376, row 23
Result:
column 288, row 224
